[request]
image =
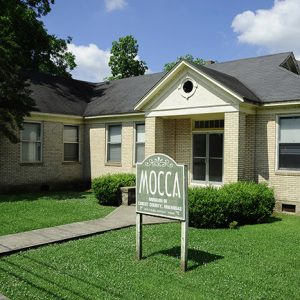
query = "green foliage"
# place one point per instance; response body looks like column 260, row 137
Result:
column 107, row 187
column 188, row 57
column 123, row 60
column 25, row 45
column 242, row 202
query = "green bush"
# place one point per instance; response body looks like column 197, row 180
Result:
column 107, row 188
column 241, row 202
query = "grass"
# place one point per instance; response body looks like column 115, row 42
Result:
column 252, row 262
column 32, row 211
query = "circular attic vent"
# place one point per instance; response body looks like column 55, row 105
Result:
column 188, row 86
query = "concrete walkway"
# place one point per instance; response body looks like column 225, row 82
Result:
column 121, row 217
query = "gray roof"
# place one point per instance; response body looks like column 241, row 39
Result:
column 56, row 95
column 120, row 96
column 264, row 77
column 259, row 79
column 230, row 82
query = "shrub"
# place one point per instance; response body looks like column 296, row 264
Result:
column 241, row 202
column 107, row 188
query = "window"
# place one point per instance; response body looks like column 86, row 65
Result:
column 31, row 142
column 139, row 142
column 289, row 143
column 71, row 143
column 114, row 142
column 208, row 157
column 209, row 124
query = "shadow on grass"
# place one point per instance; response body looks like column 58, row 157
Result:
column 44, row 196
column 273, row 219
column 198, row 257
column 35, row 277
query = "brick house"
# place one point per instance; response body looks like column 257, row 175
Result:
column 237, row 120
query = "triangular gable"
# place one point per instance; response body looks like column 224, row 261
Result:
column 227, row 84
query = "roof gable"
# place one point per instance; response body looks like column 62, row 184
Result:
column 223, row 81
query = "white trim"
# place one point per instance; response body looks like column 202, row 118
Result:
column 296, row 102
column 34, row 113
column 277, row 131
column 106, row 143
column 114, row 116
column 192, row 111
column 134, row 141
column 148, row 96
column 79, row 148
column 41, row 143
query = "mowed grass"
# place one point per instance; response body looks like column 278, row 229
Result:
column 32, row 211
column 252, row 262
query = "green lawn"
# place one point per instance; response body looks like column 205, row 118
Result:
column 32, row 211
column 252, row 262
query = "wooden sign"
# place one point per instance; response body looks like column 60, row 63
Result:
column 161, row 190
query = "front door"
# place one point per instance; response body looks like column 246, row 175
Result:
column 208, row 157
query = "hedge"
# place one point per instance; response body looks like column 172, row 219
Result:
column 241, row 202
column 107, row 188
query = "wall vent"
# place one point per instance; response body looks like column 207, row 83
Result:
column 288, row 208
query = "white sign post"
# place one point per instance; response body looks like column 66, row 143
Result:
column 161, row 190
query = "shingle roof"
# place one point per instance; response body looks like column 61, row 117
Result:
column 264, row 77
column 258, row 79
column 120, row 96
column 57, row 95
column 230, row 82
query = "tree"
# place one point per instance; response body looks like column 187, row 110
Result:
column 123, row 60
column 25, row 45
column 188, row 57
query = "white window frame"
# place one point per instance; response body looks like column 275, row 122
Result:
column 78, row 142
column 109, row 162
column 41, row 143
column 135, row 141
column 205, row 182
column 277, row 133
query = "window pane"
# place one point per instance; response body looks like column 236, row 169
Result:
column 31, row 132
column 139, row 152
column 71, row 134
column 140, row 133
column 31, row 152
column 199, row 145
column 114, row 152
column 199, row 169
column 289, row 156
column 71, row 152
column 289, row 130
column 215, row 170
column 216, row 145
column 114, row 134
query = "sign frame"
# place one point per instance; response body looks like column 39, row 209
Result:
column 164, row 160
column 184, row 219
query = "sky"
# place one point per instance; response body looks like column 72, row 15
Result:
column 219, row 30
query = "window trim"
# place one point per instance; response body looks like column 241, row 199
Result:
column 286, row 171
column 41, row 143
column 135, row 142
column 204, row 182
column 108, row 162
column 79, row 148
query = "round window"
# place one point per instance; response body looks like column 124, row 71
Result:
column 188, row 86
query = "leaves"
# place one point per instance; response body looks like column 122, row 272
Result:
column 123, row 60
column 188, row 57
column 26, row 45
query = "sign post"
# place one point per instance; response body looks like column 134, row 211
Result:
column 161, row 190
